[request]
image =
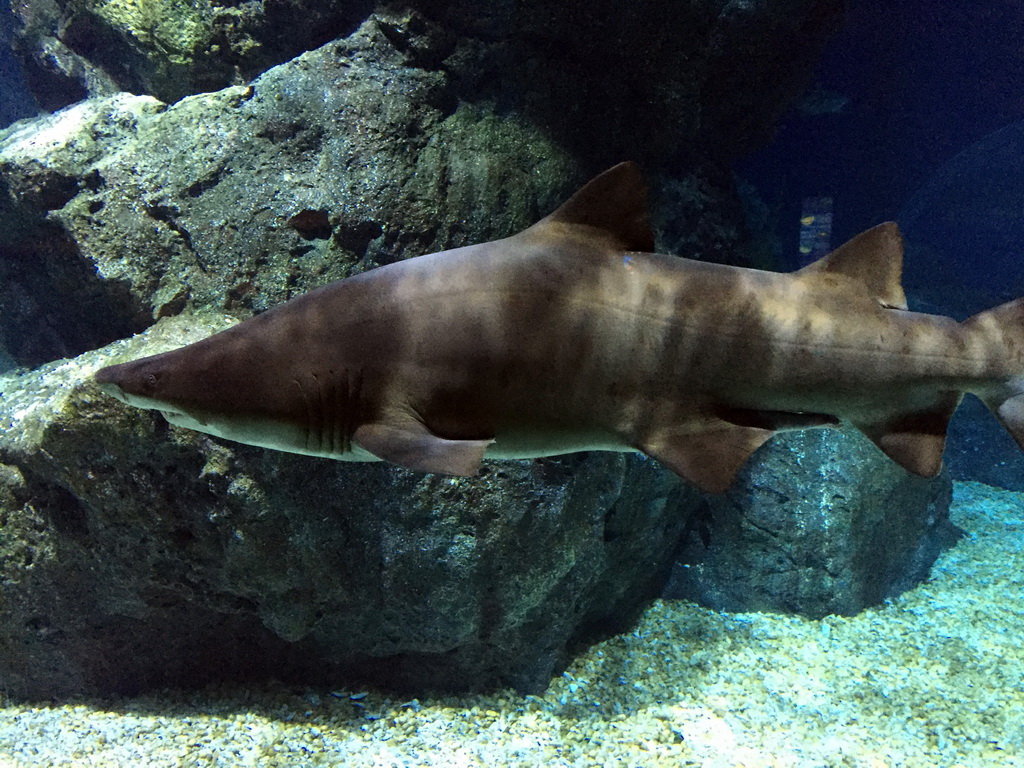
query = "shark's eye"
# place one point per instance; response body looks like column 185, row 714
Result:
column 152, row 380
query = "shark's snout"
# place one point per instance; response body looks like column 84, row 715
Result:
column 106, row 380
column 129, row 382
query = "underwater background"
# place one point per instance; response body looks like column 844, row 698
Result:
column 168, row 599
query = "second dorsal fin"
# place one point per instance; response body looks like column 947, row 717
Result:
column 874, row 258
column 615, row 203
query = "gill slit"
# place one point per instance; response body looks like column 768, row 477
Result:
column 352, row 412
column 324, row 386
column 332, row 403
column 309, row 413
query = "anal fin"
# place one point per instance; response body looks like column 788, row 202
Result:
column 413, row 446
column 915, row 440
column 710, row 455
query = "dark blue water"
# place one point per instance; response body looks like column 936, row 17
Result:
column 930, row 134
column 15, row 100
column 924, row 81
column 966, row 227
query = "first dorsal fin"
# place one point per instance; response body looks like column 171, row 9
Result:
column 875, row 258
column 614, row 202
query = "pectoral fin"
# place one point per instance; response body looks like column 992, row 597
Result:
column 413, row 446
column 709, row 457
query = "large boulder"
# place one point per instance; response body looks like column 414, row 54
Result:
column 134, row 554
column 242, row 198
column 818, row 522
column 401, row 138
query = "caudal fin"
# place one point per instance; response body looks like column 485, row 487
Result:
column 1006, row 323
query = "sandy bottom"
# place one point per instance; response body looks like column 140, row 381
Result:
column 934, row 679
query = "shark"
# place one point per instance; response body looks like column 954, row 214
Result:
column 574, row 335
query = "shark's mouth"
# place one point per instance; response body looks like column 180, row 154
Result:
column 182, row 419
column 112, row 389
column 173, row 416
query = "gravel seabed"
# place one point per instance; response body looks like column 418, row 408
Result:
column 933, row 679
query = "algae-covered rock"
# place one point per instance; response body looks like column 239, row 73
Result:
column 168, row 48
column 136, row 554
column 58, row 294
column 406, row 134
column 140, row 209
column 693, row 77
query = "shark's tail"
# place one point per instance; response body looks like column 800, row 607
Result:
column 1005, row 323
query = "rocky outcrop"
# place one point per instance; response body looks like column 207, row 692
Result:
column 145, row 209
column 402, row 138
column 818, row 523
column 136, row 555
column 170, row 49
column 594, row 73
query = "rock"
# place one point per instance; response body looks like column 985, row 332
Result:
column 819, row 522
column 408, row 134
column 199, row 194
column 166, row 48
column 571, row 66
column 136, row 554
column 65, row 285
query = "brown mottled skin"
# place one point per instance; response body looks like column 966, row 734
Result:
column 573, row 336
